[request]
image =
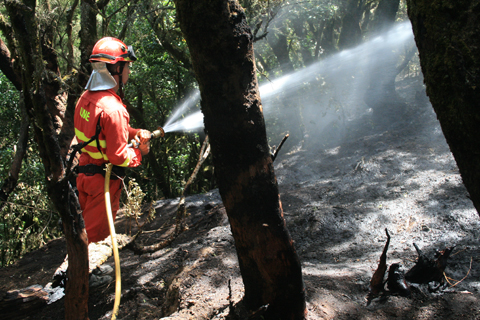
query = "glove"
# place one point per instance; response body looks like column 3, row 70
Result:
column 144, row 148
column 143, row 141
column 143, row 136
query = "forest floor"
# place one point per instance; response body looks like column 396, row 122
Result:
column 337, row 200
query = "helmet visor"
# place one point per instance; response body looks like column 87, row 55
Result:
column 130, row 55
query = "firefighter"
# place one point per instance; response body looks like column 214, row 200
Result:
column 102, row 119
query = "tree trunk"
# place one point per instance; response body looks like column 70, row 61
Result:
column 448, row 41
column 299, row 28
column 381, row 94
column 6, row 65
column 351, row 34
column 385, row 15
column 327, row 42
column 158, row 173
column 48, row 112
column 277, row 39
column 76, row 290
column 220, row 42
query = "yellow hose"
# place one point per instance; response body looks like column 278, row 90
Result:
column 118, row 279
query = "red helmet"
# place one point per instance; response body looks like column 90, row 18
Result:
column 111, row 50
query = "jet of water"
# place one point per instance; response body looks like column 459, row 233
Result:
column 188, row 123
column 191, row 122
column 339, row 68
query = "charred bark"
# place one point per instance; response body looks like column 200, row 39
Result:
column 426, row 269
column 396, row 282
column 221, row 46
column 76, row 289
column 448, row 41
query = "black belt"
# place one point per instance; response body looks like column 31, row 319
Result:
column 91, row 169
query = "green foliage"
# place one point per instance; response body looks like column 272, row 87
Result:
column 9, row 117
column 27, row 222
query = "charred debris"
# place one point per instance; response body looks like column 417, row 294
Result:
column 426, row 271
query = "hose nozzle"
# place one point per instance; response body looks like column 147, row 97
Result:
column 159, row 133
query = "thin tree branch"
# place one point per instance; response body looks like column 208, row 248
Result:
column 277, row 150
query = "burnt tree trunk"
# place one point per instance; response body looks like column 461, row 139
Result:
column 220, row 42
column 49, row 111
column 448, row 41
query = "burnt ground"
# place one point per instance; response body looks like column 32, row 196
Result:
column 337, row 199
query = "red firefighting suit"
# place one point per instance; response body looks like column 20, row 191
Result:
column 106, row 109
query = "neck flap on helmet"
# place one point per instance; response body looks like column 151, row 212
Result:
column 100, row 79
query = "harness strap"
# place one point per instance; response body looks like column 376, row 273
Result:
column 76, row 148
